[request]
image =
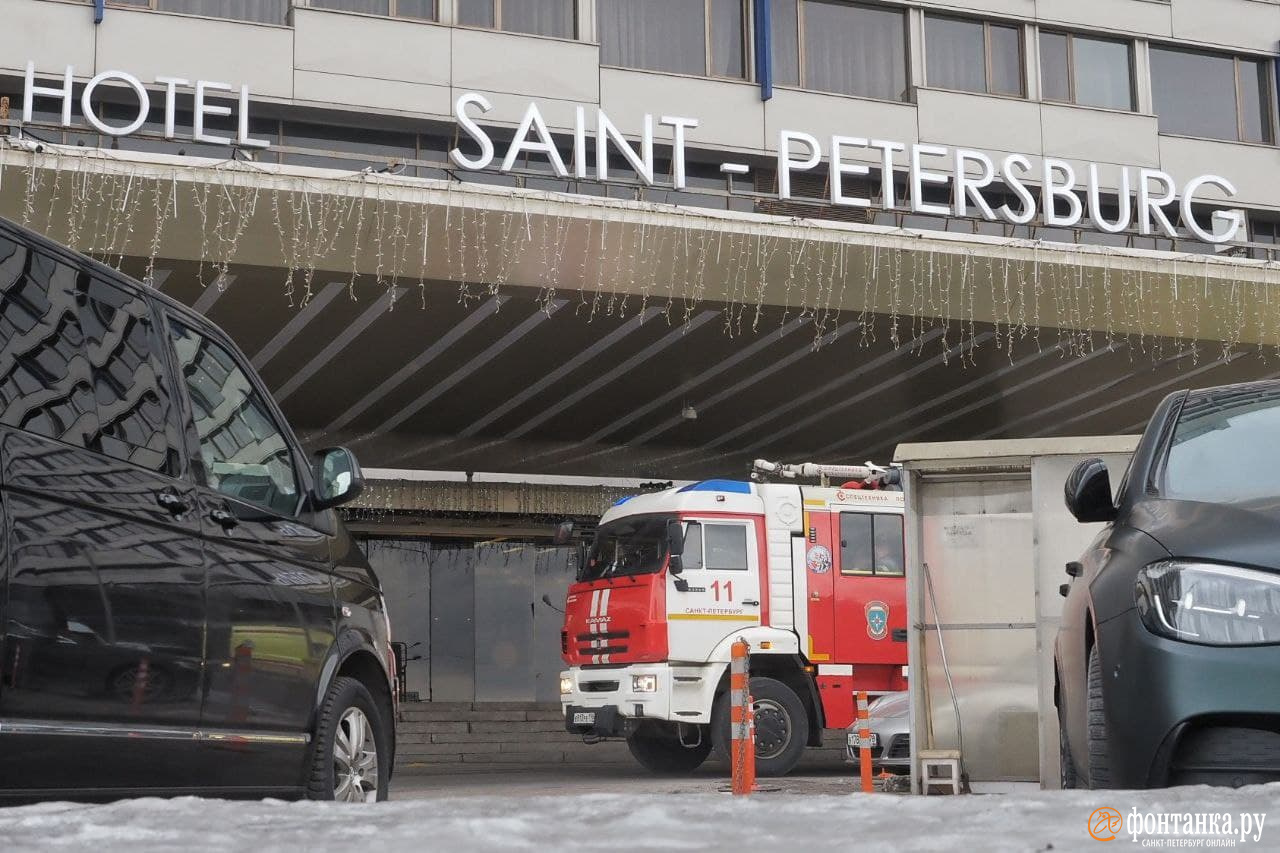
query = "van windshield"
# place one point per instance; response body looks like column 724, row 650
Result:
column 628, row 546
column 1224, row 448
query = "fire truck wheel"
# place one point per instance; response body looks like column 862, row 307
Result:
column 659, row 751
column 782, row 727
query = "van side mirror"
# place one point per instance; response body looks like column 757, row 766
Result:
column 1088, row 492
column 338, row 478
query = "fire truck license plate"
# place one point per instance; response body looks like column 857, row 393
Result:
column 873, row 740
column 584, row 718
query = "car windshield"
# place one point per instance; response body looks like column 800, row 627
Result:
column 1224, row 448
column 628, row 546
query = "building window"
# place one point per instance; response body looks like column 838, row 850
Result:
column 258, row 11
column 1086, row 71
column 424, row 10
column 536, row 17
column 703, row 37
column 1212, row 95
column 973, row 56
column 840, row 47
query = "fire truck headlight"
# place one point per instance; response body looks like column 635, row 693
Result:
column 644, row 683
column 566, row 685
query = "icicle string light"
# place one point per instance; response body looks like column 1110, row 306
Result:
column 626, row 257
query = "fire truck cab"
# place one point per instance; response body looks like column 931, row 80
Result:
column 812, row 577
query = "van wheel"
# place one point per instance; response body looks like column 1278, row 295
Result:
column 350, row 751
column 1099, row 757
column 659, row 750
column 782, row 727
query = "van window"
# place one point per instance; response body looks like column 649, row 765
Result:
column 77, row 361
column 871, row 544
column 244, row 453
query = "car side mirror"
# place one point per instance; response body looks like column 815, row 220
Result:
column 1088, row 492
column 338, row 478
column 563, row 534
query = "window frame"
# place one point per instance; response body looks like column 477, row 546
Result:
column 193, row 451
column 802, row 51
column 988, row 65
column 392, row 11
column 1268, row 103
column 747, row 526
column 1072, row 96
column 874, row 518
column 150, row 6
column 748, row 46
column 575, row 26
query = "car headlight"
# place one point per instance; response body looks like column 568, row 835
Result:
column 1209, row 604
column 644, row 684
column 566, row 685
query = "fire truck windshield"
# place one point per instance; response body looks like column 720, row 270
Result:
column 628, row 546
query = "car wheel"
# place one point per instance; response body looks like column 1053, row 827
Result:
column 660, row 751
column 1067, row 767
column 782, row 727
column 350, row 752
column 1099, row 756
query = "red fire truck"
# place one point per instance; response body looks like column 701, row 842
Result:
column 811, row 576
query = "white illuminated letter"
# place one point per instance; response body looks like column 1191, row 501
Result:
column 678, row 126
column 474, row 131
column 966, row 188
column 1149, row 206
column 888, row 198
column 1095, row 202
column 642, row 163
column 202, row 109
column 1188, row 215
column 171, row 85
column 1014, row 183
column 786, row 164
column 86, row 103
column 579, row 142
column 243, row 138
column 545, row 144
column 919, row 177
column 30, row 91
column 1064, row 190
column 840, row 169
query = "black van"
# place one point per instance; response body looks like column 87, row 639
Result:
column 182, row 610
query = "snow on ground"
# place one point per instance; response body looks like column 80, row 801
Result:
column 1049, row 820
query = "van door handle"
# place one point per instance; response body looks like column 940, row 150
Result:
column 224, row 518
column 172, row 502
column 750, row 601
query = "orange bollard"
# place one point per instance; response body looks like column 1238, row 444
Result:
column 742, row 751
column 864, row 743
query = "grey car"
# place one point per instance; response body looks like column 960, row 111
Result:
column 888, row 717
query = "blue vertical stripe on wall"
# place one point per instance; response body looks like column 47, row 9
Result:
column 764, row 48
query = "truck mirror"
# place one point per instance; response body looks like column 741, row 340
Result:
column 563, row 534
column 675, row 538
column 675, row 565
column 581, row 572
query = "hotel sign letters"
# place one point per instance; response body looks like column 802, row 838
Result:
column 1111, row 199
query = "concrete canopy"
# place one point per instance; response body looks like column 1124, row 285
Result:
column 435, row 325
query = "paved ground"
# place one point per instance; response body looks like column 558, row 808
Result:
column 424, row 783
